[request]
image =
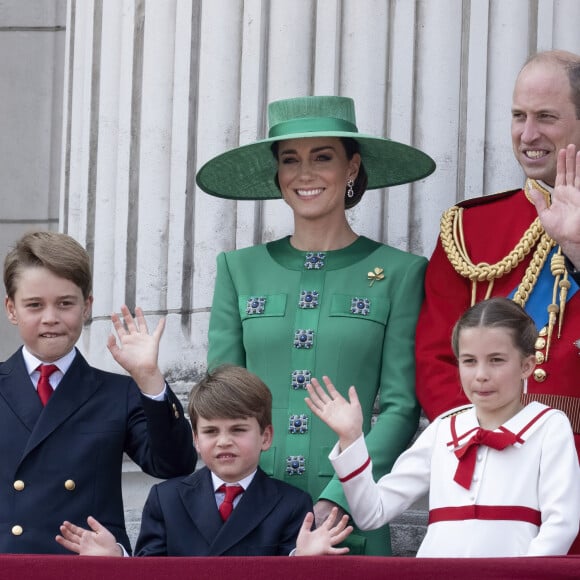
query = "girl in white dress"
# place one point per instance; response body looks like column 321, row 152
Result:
column 503, row 479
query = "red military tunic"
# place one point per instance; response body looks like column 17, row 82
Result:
column 492, row 227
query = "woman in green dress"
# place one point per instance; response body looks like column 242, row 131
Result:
column 324, row 300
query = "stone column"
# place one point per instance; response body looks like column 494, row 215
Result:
column 127, row 186
column 32, row 38
column 129, row 166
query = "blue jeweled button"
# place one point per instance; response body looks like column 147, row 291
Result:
column 360, row 306
column 308, row 299
column 314, row 260
column 300, row 379
column 303, row 338
column 298, row 424
column 255, row 305
column 295, row 465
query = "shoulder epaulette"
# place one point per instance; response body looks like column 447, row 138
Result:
column 475, row 201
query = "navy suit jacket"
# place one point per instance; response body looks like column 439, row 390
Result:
column 181, row 518
column 63, row 461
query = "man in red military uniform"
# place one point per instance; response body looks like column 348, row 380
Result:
column 523, row 243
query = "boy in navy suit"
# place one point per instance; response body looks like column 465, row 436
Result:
column 65, row 425
column 231, row 415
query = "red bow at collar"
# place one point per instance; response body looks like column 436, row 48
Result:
column 467, row 454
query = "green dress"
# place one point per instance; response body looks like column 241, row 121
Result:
column 287, row 315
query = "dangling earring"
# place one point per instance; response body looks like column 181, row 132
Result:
column 525, row 389
column 349, row 189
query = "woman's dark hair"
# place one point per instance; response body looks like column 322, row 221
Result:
column 499, row 312
column 351, row 147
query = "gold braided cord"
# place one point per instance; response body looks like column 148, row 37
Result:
column 533, row 270
column 564, row 287
column 453, row 242
column 557, row 268
column 561, row 283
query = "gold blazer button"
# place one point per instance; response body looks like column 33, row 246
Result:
column 17, row 530
column 69, row 484
column 540, row 375
column 18, row 485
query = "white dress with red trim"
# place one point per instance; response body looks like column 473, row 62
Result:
column 522, row 501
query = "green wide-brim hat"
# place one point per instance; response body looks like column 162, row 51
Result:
column 249, row 171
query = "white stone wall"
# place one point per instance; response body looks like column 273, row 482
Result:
column 32, row 37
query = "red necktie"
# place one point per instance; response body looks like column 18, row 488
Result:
column 44, row 388
column 467, row 454
column 227, row 506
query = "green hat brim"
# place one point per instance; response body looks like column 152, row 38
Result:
column 249, row 171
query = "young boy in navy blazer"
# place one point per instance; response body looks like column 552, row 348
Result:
column 65, row 425
column 231, row 415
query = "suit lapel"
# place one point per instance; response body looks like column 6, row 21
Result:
column 18, row 391
column 196, row 492
column 78, row 384
column 257, row 503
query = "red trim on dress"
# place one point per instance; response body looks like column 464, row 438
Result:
column 486, row 512
column 455, row 437
column 540, row 414
column 356, row 471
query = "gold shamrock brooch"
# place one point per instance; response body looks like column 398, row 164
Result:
column 375, row 275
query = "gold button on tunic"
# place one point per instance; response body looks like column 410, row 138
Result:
column 540, row 375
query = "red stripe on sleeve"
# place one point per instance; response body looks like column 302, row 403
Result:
column 356, row 471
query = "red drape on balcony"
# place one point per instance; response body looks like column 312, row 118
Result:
column 31, row 567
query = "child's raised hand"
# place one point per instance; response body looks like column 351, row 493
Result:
column 97, row 541
column 138, row 351
column 343, row 417
column 322, row 540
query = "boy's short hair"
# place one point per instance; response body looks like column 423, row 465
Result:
column 230, row 392
column 59, row 253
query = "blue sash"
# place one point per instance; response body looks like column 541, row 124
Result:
column 541, row 296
